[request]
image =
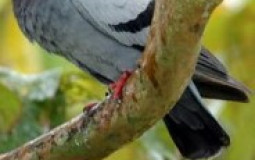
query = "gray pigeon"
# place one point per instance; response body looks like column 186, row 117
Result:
column 107, row 37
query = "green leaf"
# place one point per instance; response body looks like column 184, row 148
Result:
column 10, row 108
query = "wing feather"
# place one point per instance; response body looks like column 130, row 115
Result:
column 126, row 21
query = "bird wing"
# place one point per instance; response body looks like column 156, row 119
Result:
column 126, row 21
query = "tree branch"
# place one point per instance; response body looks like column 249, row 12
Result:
column 154, row 88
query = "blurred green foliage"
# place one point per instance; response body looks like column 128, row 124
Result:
column 35, row 97
column 10, row 110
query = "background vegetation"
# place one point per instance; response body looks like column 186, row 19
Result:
column 39, row 91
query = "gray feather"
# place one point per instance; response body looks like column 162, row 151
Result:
column 78, row 41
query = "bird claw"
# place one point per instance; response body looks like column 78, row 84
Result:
column 117, row 87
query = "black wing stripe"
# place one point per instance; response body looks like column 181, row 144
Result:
column 138, row 47
column 142, row 21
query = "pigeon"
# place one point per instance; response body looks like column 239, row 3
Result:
column 106, row 38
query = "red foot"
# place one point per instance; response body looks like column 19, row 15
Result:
column 117, row 86
column 88, row 107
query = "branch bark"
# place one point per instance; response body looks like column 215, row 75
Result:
column 165, row 69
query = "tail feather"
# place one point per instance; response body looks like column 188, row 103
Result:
column 213, row 81
column 193, row 129
column 229, row 89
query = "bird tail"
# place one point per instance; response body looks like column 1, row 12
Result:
column 213, row 81
column 193, row 129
